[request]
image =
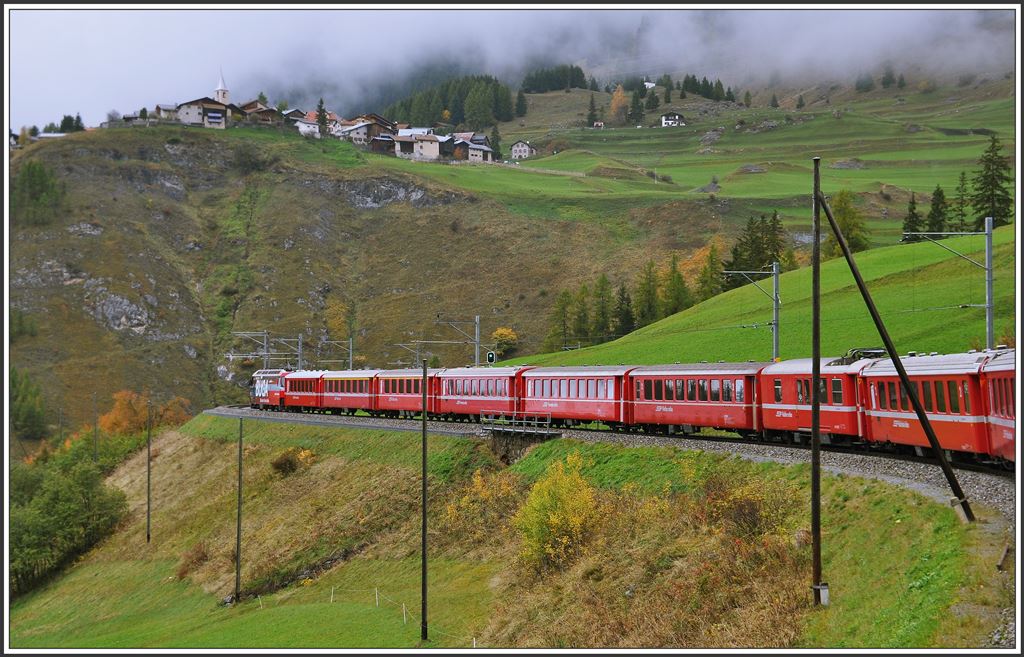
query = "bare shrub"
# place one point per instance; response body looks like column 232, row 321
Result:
column 196, row 556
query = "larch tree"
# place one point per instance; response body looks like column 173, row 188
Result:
column 851, row 223
column 960, row 203
column 623, row 313
column 709, row 283
column 619, row 108
column 601, row 320
column 676, row 295
column 591, row 112
column 645, row 303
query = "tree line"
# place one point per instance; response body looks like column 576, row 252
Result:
column 564, row 76
column 989, row 195
column 472, row 102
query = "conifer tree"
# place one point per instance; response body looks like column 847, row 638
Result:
column 645, row 304
column 593, row 84
column 580, row 316
column 591, row 112
column 623, row 313
column 496, row 142
column 652, row 102
column 937, row 213
column 520, row 103
column 78, row 126
column 888, row 78
column 558, row 322
column 800, row 102
column 775, row 101
column 28, row 419
column 675, row 293
column 668, row 94
column 601, row 322
column 851, row 223
column 746, row 98
column 900, row 83
column 709, row 283
column 636, row 108
column 321, row 118
column 912, row 222
column 960, row 202
column 991, row 197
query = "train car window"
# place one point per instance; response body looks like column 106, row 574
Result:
column 1013, row 397
column 739, row 390
column 778, row 390
column 967, row 397
column 648, row 389
column 940, row 397
column 659, row 389
column 611, row 389
column 954, row 399
column 670, row 391
column 639, row 390
column 903, row 395
column 547, row 389
column 799, row 391
column 419, row 387
column 680, row 390
column 592, row 389
column 702, row 389
column 459, row 387
column 691, row 390
column 716, row 389
column 837, row 391
column 602, row 385
column 574, row 389
column 563, row 388
column 892, row 396
column 822, row 390
column 926, row 394
column 727, row 390
column 529, row 388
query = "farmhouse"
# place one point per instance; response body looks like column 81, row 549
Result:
column 480, row 153
column 357, row 134
column 383, row 144
column 671, row 120
column 307, row 128
column 522, row 149
column 423, row 147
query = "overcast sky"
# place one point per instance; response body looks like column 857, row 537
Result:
column 91, row 61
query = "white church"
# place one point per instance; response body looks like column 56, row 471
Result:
column 210, row 112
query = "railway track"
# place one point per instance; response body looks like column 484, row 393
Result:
column 443, row 427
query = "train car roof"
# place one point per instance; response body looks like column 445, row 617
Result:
column 804, row 366
column 413, row 372
column 305, row 374
column 352, row 374
column 1001, row 361
column 580, row 370
column 700, row 368
column 270, row 372
column 484, row 371
column 938, row 365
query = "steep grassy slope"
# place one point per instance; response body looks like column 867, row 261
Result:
column 676, row 544
column 917, row 288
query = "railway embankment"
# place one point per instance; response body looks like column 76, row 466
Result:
column 645, row 541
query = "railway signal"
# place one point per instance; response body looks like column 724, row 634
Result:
column 490, row 357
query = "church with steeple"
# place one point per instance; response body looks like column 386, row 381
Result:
column 216, row 112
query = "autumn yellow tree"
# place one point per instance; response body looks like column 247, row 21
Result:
column 619, row 106
column 130, row 412
column 506, row 341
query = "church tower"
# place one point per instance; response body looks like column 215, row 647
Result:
column 220, row 94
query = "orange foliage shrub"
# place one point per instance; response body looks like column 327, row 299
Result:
column 131, row 409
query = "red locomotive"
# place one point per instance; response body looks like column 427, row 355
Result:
column 969, row 398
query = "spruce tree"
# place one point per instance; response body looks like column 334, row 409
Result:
column 262, row 99
column 623, row 313
column 601, row 321
column 729, row 95
column 800, row 102
column 746, row 98
column 645, row 304
column 668, row 94
column 992, row 197
column 718, row 91
column 937, row 213
column 900, row 83
column 960, row 202
column 775, row 101
column 888, row 78
column 636, row 109
column 591, row 112
column 321, row 118
column 496, row 142
column 652, row 102
column 79, row 126
column 912, row 222
column 520, row 103
column 593, row 84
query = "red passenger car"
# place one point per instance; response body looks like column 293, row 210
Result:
column 302, row 389
column 949, row 388
column 785, row 396
column 999, row 388
column 348, row 391
column 570, row 395
column 476, row 391
column 266, row 389
column 400, row 393
column 684, row 398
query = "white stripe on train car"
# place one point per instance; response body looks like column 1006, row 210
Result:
column 1001, row 421
column 807, row 407
column 957, row 419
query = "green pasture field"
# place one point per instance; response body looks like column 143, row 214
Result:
column 917, row 288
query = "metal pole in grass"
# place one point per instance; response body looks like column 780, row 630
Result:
column 815, row 388
column 238, row 528
column 423, row 546
column 95, row 431
column 149, row 460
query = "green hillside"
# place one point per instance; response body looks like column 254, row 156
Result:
column 917, row 288
column 323, row 545
column 173, row 238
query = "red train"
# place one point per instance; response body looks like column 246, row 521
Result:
column 970, row 398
